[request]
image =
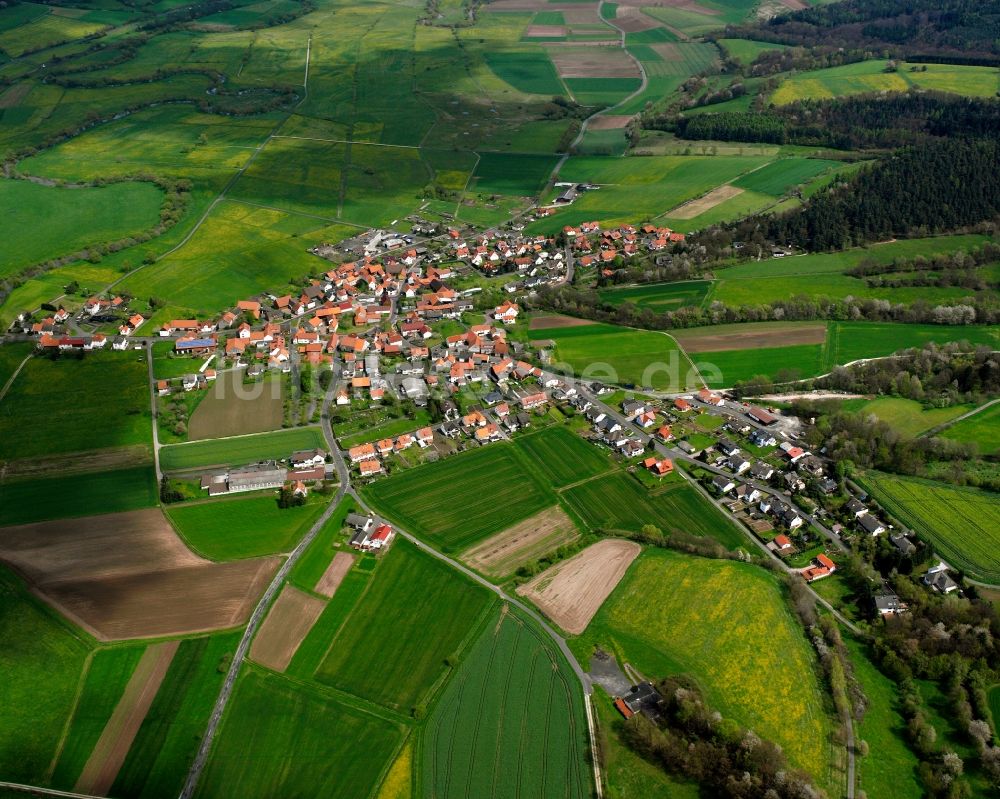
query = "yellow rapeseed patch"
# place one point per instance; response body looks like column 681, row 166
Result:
column 398, row 782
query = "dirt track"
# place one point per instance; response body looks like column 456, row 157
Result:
column 571, row 592
column 735, row 340
column 334, row 574
column 610, row 122
column 128, row 575
column 290, row 620
column 693, row 208
column 504, row 552
column 109, row 753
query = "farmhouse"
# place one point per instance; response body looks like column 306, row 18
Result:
column 659, row 467
column 373, row 538
column 823, row 568
column 710, row 398
column 303, row 459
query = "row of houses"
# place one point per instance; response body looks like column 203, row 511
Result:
column 369, row 457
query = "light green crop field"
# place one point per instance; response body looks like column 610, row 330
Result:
column 619, row 502
column 107, row 676
column 746, row 50
column 656, row 620
column 466, row 497
column 704, row 16
column 241, row 450
column 44, row 31
column 962, row 524
column 42, row 222
column 659, row 297
column 280, row 738
column 528, row 71
column 983, row 430
column 167, row 365
column 71, row 405
column 34, row 711
column 786, row 173
column 621, row 355
column 157, row 764
column 36, row 499
column 512, row 173
column 244, row 527
column 728, row 367
column 510, row 723
column 849, row 341
column 871, row 76
column 11, row 356
column 909, row 416
column 376, row 655
column 562, row 455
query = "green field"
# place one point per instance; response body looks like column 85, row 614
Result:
column 962, row 524
column 376, row 654
column 157, row 763
column 908, row 416
column 779, row 176
column 40, row 222
column 240, row 450
column 728, row 367
column 562, row 455
column 72, row 405
column 246, row 527
column 510, row 723
column 109, row 673
column 621, row 355
column 33, row 499
column 529, row 71
column 454, row 503
column 618, row 502
column 280, row 738
column 659, row 297
column 167, row 366
column 870, row 76
column 656, row 620
column 746, row 50
column 513, row 173
column 34, row 711
column 983, row 430
column 317, row 557
column 11, row 356
column 849, row 341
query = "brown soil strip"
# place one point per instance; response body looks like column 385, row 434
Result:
column 634, row 23
column 102, row 460
column 233, row 409
column 698, row 206
column 556, row 321
column 750, row 339
column 684, row 5
column 541, row 31
column 128, row 575
column 15, row 94
column 668, row 51
column 334, row 574
column 610, row 122
column 571, row 592
column 794, row 5
column 529, row 540
column 593, row 62
column 582, row 15
column 109, row 753
column 289, row 622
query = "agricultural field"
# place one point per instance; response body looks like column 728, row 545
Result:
column 510, row 722
column 34, row 499
column 109, row 407
column 288, row 622
column 502, row 554
column 962, row 524
column 871, row 76
column 446, row 504
column 659, row 297
column 243, row 527
column 562, row 455
column 376, row 656
column 528, row 71
column 849, row 341
column 656, row 620
column 240, row 450
column 234, row 408
column 11, row 356
column 619, row 502
column 908, row 416
column 703, row 16
column 280, row 738
column 71, row 219
column 515, row 174
column 746, row 50
column 726, row 368
column 621, row 355
column 983, row 430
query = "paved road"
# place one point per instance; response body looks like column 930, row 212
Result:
column 35, row 790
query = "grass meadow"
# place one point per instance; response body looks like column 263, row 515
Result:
column 618, row 502
column 510, row 723
column 375, row 654
column 11, row 356
column 746, row 50
column 71, row 405
column 656, row 620
column 240, row 450
column 983, row 430
column 165, row 745
column 726, row 367
column 908, row 416
column 458, row 501
column 962, row 524
column 621, row 355
column 562, row 455
column 34, row 711
column 34, row 499
column 311, row 566
column 849, row 341
column 280, row 738
column 659, row 297
column 245, row 527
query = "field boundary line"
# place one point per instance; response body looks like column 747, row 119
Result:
column 88, row 661
column 35, row 789
column 952, row 422
column 13, row 377
column 608, row 473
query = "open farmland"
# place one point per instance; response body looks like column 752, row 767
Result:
column 462, row 499
column 109, row 406
column 510, row 723
column 571, row 592
column 907, row 416
column 243, row 527
column 621, row 355
column 962, row 524
column 125, row 575
column 750, row 336
column 240, row 450
column 232, row 408
column 291, row 617
column 656, row 620
column 726, row 368
column 375, row 654
column 850, row 341
column 279, row 738
column 334, row 575
column 659, row 297
column 619, row 502
column 502, row 554
column 983, row 430
column 562, row 455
